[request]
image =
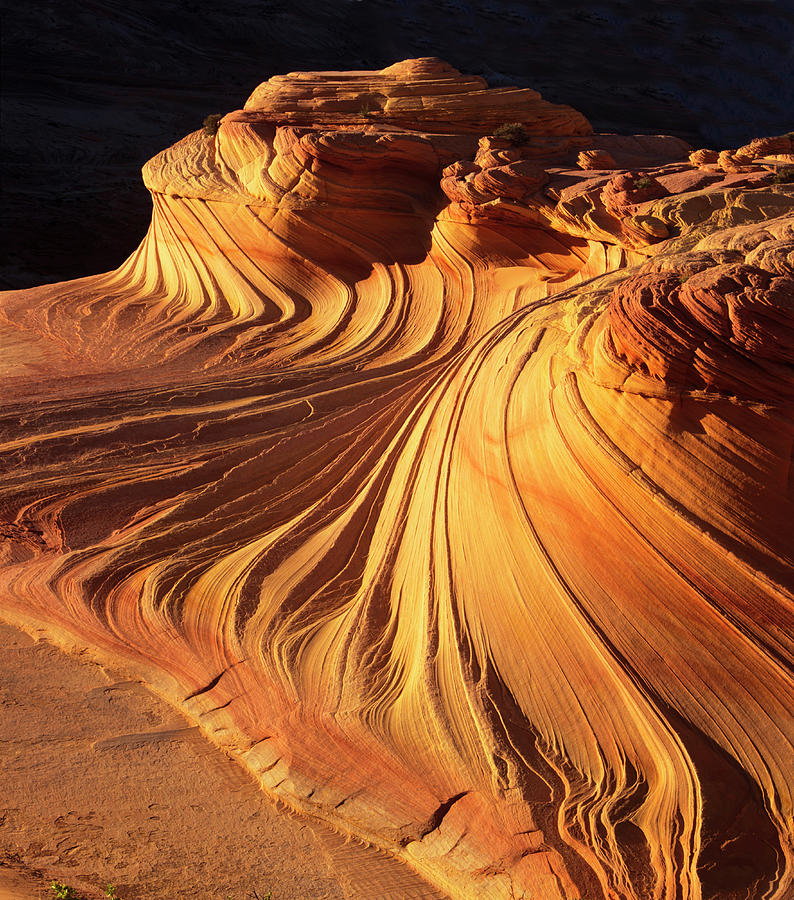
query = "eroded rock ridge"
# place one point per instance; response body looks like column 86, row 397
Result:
column 442, row 473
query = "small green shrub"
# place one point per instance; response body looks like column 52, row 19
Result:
column 369, row 104
column 62, row 891
column 641, row 183
column 212, row 123
column 784, row 175
column 110, row 893
column 513, row 132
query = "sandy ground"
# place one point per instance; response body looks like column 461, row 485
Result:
column 102, row 782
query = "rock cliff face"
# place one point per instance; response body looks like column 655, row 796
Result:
column 444, row 479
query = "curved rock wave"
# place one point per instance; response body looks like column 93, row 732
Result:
column 443, row 480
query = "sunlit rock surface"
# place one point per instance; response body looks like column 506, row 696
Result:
column 445, row 482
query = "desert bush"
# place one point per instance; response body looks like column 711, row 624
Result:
column 212, row 123
column 513, row 132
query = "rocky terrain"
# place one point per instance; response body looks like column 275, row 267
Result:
column 102, row 783
column 91, row 91
column 440, row 472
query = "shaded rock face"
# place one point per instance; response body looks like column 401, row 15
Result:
column 445, row 481
column 90, row 94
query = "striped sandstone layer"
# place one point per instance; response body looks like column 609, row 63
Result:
column 445, row 482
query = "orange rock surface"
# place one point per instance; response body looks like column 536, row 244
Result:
column 446, row 483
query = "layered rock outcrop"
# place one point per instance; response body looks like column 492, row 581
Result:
column 444, row 479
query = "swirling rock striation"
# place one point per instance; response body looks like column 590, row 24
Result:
column 445, row 481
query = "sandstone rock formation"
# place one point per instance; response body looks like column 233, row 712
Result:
column 445, row 482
